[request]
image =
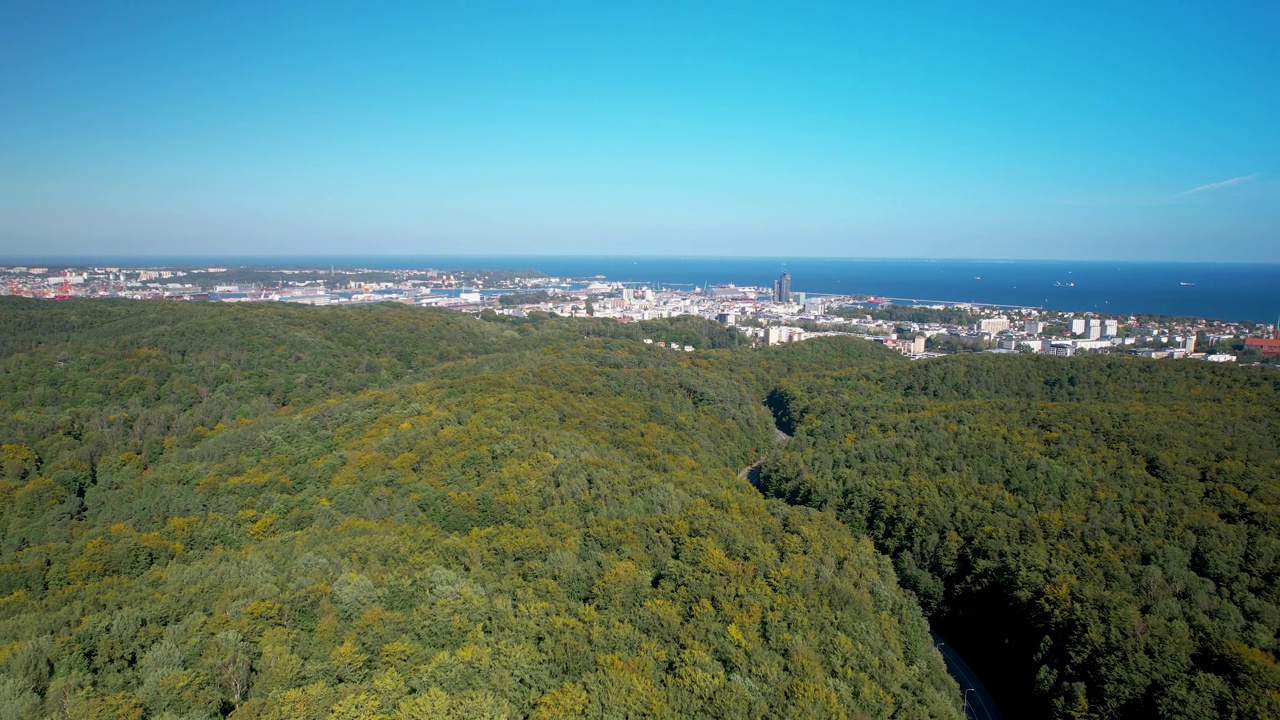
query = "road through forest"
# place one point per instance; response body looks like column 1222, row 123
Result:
column 978, row 703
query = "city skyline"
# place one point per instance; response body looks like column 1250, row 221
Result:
column 1133, row 133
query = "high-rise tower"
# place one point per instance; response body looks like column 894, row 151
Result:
column 782, row 288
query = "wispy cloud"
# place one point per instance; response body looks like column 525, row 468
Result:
column 1220, row 184
column 1146, row 199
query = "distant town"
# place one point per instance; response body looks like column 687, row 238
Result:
column 768, row 316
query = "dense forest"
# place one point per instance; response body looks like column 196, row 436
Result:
column 273, row 511
column 270, row 511
column 1101, row 534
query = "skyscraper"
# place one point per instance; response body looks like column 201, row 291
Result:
column 782, row 288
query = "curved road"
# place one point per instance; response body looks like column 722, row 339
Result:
column 978, row 703
column 751, row 473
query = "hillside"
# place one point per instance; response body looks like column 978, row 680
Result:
column 1101, row 535
column 271, row 511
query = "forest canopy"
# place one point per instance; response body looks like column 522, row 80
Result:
column 269, row 511
column 272, row 511
column 1103, row 533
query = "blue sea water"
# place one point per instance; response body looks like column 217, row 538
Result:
column 1229, row 291
column 1225, row 291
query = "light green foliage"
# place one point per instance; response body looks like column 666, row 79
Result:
column 395, row 513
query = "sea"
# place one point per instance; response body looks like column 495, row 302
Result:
column 1224, row 291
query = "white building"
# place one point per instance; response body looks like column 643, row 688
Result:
column 1093, row 328
column 776, row 334
column 1017, row 344
column 992, row 325
column 1077, row 326
column 1091, row 344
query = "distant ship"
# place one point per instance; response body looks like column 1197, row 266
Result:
column 977, row 277
column 1062, row 284
column 1187, row 284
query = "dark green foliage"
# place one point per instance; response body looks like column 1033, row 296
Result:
column 681, row 330
column 524, row 298
column 1103, row 532
column 954, row 344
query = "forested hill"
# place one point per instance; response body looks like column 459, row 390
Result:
column 273, row 511
column 270, row 511
column 1100, row 534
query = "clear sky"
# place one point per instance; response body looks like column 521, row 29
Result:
column 1107, row 130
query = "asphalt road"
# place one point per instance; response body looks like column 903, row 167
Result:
column 978, row 703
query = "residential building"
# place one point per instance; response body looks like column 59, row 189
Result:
column 1098, row 344
column 776, row 334
column 1035, row 345
column 992, row 325
column 914, row 346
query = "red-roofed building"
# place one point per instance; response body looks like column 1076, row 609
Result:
column 1269, row 346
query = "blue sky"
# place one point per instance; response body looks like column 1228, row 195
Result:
column 1015, row 130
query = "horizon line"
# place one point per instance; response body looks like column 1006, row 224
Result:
column 50, row 258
